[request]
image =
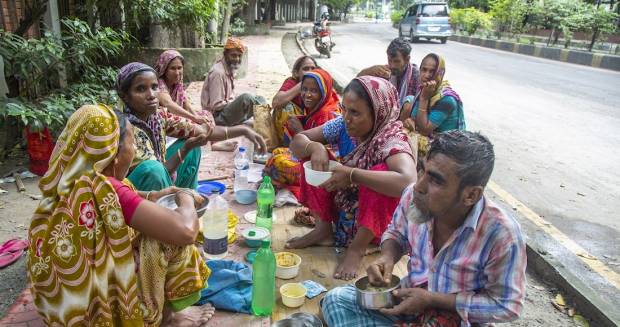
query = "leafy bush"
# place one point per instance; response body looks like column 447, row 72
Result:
column 238, row 26
column 38, row 66
column 509, row 15
column 396, row 16
column 370, row 14
column 471, row 20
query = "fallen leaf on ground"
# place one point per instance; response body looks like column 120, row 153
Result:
column 318, row 273
column 559, row 299
column 581, row 321
column 587, row 256
column 558, row 307
column 540, row 288
column 580, row 194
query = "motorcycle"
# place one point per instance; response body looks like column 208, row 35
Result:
column 323, row 40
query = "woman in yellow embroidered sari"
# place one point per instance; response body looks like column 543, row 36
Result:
column 100, row 254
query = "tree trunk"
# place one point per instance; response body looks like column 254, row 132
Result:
column 594, row 37
column 226, row 25
column 32, row 14
column 550, row 36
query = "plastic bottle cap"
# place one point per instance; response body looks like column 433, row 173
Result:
column 252, row 233
column 265, row 244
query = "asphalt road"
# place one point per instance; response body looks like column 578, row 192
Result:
column 554, row 126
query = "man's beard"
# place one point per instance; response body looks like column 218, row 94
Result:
column 415, row 215
column 234, row 67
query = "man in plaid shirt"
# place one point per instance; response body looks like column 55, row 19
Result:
column 467, row 257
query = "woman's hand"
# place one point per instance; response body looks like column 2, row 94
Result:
column 294, row 124
column 428, row 89
column 156, row 195
column 257, row 139
column 318, row 156
column 200, row 120
column 409, row 124
column 185, row 198
column 195, row 141
column 339, row 180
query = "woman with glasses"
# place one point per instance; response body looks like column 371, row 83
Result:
column 319, row 104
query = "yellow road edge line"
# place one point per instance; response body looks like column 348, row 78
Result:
column 596, row 265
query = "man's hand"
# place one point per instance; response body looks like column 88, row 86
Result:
column 380, row 271
column 413, row 301
column 381, row 71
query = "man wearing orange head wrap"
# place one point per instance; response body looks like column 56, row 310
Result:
column 218, row 91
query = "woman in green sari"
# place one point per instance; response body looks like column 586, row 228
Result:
column 155, row 167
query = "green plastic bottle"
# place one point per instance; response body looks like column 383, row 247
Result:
column 265, row 197
column 264, row 280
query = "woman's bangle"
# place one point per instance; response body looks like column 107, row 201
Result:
column 306, row 147
column 148, row 194
column 179, row 154
column 226, row 132
column 351, row 175
column 186, row 191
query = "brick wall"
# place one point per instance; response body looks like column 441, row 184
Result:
column 12, row 11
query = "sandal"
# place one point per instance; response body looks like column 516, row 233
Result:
column 304, row 217
column 9, row 258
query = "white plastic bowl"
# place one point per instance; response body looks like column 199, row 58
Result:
column 288, row 272
column 316, row 177
column 293, row 295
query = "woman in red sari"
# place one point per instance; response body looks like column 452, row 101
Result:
column 320, row 104
column 355, row 206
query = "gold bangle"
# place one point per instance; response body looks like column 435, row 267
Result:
column 306, row 147
column 148, row 194
column 226, row 132
column 179, row 154
column 351, row 175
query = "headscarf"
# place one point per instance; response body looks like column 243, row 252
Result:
column 152, row 126
column 177, row 91
column 386, row 139
column 233, row 43
column 443, row 86
column 81, row 262
column 329, row 105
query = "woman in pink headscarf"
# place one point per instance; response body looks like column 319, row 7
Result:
column 354, row 207
column 169, row 69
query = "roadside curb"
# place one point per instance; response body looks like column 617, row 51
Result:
column 597, row 60
column 542, row 258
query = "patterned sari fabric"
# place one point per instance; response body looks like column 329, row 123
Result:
column 177, row 91
column 81, row 263
column 359, row 206
column 282, row 167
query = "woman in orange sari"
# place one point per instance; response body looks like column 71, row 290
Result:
column 320, row 104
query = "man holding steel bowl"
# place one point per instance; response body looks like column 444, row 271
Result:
column 467, row 256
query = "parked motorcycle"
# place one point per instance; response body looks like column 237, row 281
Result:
column 323, row 40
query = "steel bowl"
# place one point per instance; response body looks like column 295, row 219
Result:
column 168, row 201
column 376, row 300
column 288, row 322
column 308, row 319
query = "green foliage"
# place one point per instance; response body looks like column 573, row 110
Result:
column 38, row 64
column 396, row 16
column 471, row 20
column 171, row 13
column 342, row 5
column 370, row 14
column 237, row 27
column 478, row 4
column 509, row 15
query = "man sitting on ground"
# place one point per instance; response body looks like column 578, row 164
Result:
column 467, row 256
column 404, row 75
column 218, row 90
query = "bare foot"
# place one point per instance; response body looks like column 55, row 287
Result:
column 347, row 269
column 193, row 316
column 321, row 235
column 226, row 146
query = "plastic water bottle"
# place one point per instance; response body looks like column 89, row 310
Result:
column 264, row 198
column 215, row 228
column 264, row 280
column 242, row 167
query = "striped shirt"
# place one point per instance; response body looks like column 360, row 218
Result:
column 483, row 262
